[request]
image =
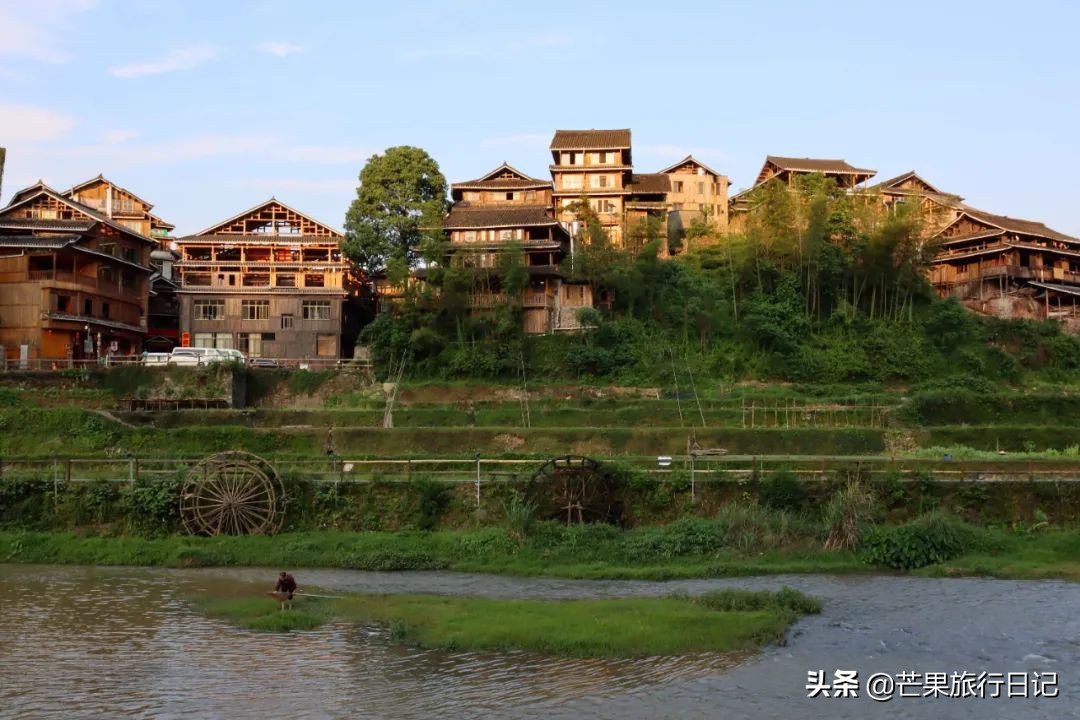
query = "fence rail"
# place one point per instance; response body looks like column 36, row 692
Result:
column 47, row 365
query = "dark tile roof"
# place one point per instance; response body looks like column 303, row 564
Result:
column 816, row 165
column 1054, row 287
column 44, row 242
column 650, row 183
column 909, row 175
column 27, row 194
column 464, row 217
column 590, row 139
column 504, row 177
column 1022, row 227
column 45, row 224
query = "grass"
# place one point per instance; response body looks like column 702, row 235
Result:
column 727, row 621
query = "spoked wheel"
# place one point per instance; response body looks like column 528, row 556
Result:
column 232, row 493
column 573, row 489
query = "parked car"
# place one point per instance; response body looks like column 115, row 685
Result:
column 195, row 356
column 232, row 355
column 260, row 362
column 154, row 358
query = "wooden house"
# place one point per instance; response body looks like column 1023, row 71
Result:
column 936, row 209
column 697, row 193
column 74, row 283
column 508, row 211
column 121, row 205
column 595, row 166
column 786, row 170
column 1008, row 267
column 269, row 282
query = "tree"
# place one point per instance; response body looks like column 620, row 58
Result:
column 399, row 208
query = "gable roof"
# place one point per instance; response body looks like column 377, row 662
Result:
column 591, row 140
column 101, row 178
column 893, row 183
column 27, row 195
column 1015, row 225
column 690, row 159
column 465, row 217
column 503, row 177
column 812, row 165
column 649, row 183
column 212, row 230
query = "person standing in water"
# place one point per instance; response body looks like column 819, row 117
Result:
column 286, row 586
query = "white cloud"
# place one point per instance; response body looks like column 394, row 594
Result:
column 33, row 31
column 119, row 136
column 183, row 59
column 27, row 123
column 281, row 49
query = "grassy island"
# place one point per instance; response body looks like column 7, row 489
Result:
column 722, row 621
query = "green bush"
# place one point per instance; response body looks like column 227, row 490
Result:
column 434, row 497
column 931, row 538
column 782, row 490
column 393, row 560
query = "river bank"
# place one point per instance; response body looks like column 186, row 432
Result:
column 686, row 549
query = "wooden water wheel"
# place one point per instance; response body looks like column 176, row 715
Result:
column 573, row 489
column 232, row 493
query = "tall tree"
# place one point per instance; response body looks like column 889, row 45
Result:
column 399, row 208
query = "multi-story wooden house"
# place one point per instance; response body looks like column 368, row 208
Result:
column 785, row 170
column 121, row 205
column 507, row 211
column 697, row 193
column 74, row 283
column 268, row 281
column 595, row 166
column 1008, row 267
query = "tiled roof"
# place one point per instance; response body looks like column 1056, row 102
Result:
column 591, row 139
column 44, row 242
column 909, row 175
column 816, row 165
column 45, row 224
column 28, row 194
column 469, row 217
column 690, row 159
column 503, row 177
column 650, row 183
column 1023, row 227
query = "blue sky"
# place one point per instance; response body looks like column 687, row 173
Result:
column 207, row 108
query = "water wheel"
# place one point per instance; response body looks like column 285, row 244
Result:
column 232, row 493
column 573, row 489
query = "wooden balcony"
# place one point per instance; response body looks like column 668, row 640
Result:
column 529, row 299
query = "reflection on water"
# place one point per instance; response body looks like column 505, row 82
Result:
column 109, row 642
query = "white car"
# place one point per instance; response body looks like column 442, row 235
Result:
column 232, row 355
column 155, row 358
column 195, row 356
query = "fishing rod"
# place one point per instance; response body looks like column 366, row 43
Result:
column 276, row 593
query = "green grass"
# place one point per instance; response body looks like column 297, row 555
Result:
column 728, row 621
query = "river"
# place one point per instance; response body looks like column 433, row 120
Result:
column 81, row 642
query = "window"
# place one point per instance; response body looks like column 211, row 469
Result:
column 254, row 309
column 701, row 188
column 285, row 280
column 472, row 196
column 505, row 235
column 530, row 195
column 470, row 236
column 131, row 254
column 105, row 310
column 314, row 280
column 63, row 303
column 509, row 196
column 209, row 309
column 677, row 185
column 571, row 158
column 316, row 309
column 326, row 345
column 571, row 182
column 88, row 307
column 269, row 337
column 127, row 279
column 210, row 340
column 250, row 344
column 605, row 158
column 286, row 322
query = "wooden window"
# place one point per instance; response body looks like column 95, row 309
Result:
column 203, row 340
column 470, row 236
column 63, row 303
column 571, row 182
column 314, row 280
column 209, row 309
column 316, row 309
column 326, row 345
column 88, row 307
column 510, row 196
column 506, row 235
column 677, row 186
column 701, row 188
column 287, row 322
column 285, row 280
column 105, row 310
column 250, row 344
column 598, row 181
column 254, row 309
column 530, row 195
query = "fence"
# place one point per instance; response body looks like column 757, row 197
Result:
column 46, row 365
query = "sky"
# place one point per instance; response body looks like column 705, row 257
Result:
column 208, row 108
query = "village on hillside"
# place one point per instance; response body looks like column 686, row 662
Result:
column 91, row 272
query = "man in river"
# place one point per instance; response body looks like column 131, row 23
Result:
column 283, row 591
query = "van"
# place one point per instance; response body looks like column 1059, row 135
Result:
column 154, row 358
column 194, row 356
column 232, row 355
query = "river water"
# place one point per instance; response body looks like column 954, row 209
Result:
column 81, row 642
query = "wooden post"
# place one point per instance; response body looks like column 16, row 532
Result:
column 753, row 407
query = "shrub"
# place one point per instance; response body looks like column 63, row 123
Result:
column 849, row 510
column 928, row 539
column 782, row 490
column 393, row 560
column 734, row 600
column 434, row 499
column 520, row 517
